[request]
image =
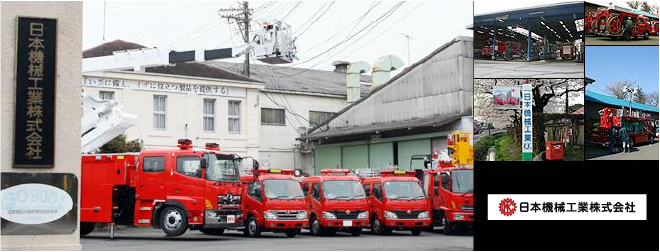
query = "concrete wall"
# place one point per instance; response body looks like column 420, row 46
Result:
column 67, row 100
column 278, row 143
column 184, row 116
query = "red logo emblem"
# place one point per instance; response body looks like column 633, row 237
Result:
column 507, row 207
column 408, row 212
column 348, row 211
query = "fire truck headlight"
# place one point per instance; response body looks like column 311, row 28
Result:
column 390, row 215
column 301, row 215
column 270, row 215
column 363, row 215
column 423, row 215
column 459, row 216
column 329, row 215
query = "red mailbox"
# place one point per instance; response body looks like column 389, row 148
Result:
column 554, row 150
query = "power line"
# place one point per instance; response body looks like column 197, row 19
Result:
column 313, row 22
column 291, row 11
column 386, row 30
column 386, row 16
column 352, row 35
column 379, row 20
column 343, row 28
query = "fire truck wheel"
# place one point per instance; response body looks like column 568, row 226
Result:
column 291, row 232
column 646, row 35
column 449, row 228
column 214, row 231
column 416, row 231
column 252, row 229
column 356, row 231
column 86, row 228
column 378, row 228
column 173, row 221
column 314, row 226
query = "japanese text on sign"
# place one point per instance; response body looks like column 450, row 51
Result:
column 527, row 123
column 35, row 92
column 163, row 86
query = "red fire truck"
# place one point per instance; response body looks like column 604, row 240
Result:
column 336, row 201
column 641, row 129
column 172, row 189
column 397, row 202
column 273, row 202
column 450, row 184
column 611, row 23
column 501, row 49
column 567, row 51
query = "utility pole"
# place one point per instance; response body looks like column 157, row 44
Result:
column 408, row 38
column 242, row 18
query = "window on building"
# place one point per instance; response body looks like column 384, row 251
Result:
column 317, row 117
column 271, row 116
column 209, row 114
column 234, row 117
column 160, row 102
column 106, row 95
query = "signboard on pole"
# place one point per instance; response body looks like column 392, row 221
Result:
column 34, row 121
column 527, row 125
column 506, row 97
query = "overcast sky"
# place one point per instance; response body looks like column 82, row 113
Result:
column 192, row 25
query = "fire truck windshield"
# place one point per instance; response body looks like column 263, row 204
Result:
column 282, row 189
column 222, row 168
column 403, row 190
column 462, row 181
column 343, row 189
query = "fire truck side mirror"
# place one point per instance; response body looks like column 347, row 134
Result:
column 255, row 165
column 203, row 163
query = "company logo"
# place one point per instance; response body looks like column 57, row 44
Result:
column 567, row 206
column 348, row 211
column 408, row 212
column 507, row 207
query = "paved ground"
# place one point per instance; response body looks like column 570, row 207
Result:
column 521, row 69
column 592, row 40
column 642, row 152
column 141, row 239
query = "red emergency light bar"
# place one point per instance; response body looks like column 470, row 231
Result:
column 392, row 173
column 185, row 144
column 212, row 146
column 329, row 172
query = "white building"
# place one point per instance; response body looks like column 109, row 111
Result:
column 293, row 101
column 172, row 107
column 275, row 105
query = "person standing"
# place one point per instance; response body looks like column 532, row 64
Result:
column 629, row 26
column 612, row 135
column 623, row 135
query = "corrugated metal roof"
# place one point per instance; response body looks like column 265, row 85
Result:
column 601, row 98
column 281, row 78
column 451, row 59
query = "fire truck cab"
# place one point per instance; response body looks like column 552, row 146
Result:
column 451, row 192
column 171, row 189
column 336, row 201
column 273, row 202
column 397, row 202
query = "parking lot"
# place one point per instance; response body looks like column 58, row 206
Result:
column 523, row 69
column 593, row 40
column 141, row 239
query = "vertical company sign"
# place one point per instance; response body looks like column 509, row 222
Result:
column 34, row 125
column 527, row 125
